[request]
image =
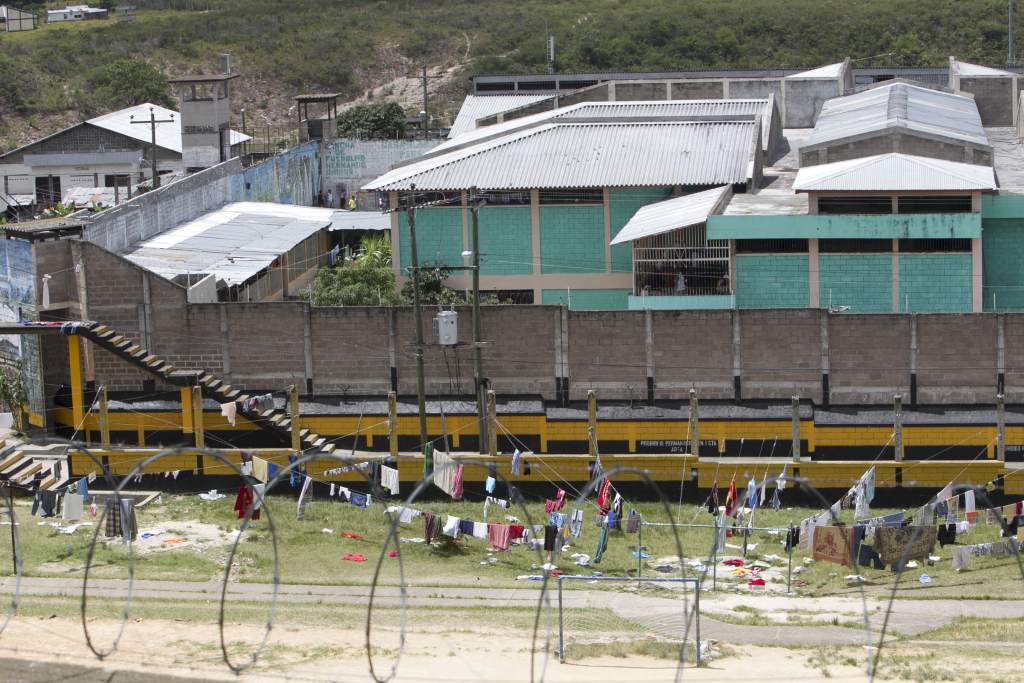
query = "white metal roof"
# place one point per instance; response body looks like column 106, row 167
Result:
column 480, row 106
column 233, row 243
column 968, row 69
column 168, row 135
column 828, row 71
column 360, row 220
column 640, row 111
column 570, row 155
column 672, row 214
column 899, row 105
column 893, row 173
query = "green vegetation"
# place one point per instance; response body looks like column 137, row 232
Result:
column 354, row 46
column 127, row 82
column 381, row 121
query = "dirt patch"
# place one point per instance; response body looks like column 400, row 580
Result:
column 191, row 535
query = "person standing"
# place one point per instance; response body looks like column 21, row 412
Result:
column 352, row 203
column 330, row 198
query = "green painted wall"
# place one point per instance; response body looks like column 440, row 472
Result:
column 623, row 203
column 681, row 303
column 1002, row 251
column 506, row 242
column 1002, row 206
column 572, row 239
column 587, row 299
column 901, row 226
column 438, row 237
column 772, row 281
column 935, row 283
column 862, row 281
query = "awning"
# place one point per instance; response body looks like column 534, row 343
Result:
column 673, row 214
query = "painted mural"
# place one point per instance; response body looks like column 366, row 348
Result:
column 289, row 178
column 17, row 302
column 353, row 163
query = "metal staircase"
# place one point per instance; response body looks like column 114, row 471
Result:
column 275, row 421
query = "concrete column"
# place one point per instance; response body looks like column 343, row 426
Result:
column 896, row 303
column 392, row 346
column 83, row 300
column 396, row 259
column 538, row 292
column 813, row 275
column 649, row 353
column 1000, row 428
column 725, row 88
column 897, row 415
column 492, row 423
column 607, row 230
column 592, row 423
column 737, row 361
column 197, row 417
column 393, row 424
column 913, row 360
column 796, row 428
column 225, row 345
column 307, row 346
column 77, row 382
column 1000, row 354
column 104, row 419
column 293, row 408
column 694, row 424
column 825, row 363
column 976, row 275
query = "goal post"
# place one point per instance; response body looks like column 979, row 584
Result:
column 669, row 626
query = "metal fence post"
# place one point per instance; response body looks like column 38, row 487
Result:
column 714, row 558
column 639, row 549
column 696, row 607
column 561, row 626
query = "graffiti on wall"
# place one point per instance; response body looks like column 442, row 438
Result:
column 353, row 163
column 17, row 302
column 289, row 178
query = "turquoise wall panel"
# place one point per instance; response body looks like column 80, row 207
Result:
column 587, row 299
column 861, row 281
column 438, row 237
column 572, row 239
column 1002, row 251
column 803, row 226
column 681, row 303
column 623, row 203
column 772, row 281
column 506, row 242
column 935, row 283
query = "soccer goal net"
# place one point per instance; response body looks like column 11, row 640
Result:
column 622, row 616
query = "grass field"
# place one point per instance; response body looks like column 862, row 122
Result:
column 309, row 554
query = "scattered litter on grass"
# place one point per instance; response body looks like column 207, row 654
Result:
column 211, row 495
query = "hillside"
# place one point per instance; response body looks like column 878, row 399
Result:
column 368, row 47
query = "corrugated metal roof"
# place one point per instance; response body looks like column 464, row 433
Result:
column 568, row 155
column 479, row 106
column 828, row 71
column 672, row 214
column 899, row 105
column 360, row 220
column 643, row 110
column 895, row 172
column 233, row 243
column 168, row 135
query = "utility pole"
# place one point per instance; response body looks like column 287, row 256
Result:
column 425, row 112
column 1011, row 58
column 421, row 399
column 152, row 123
column 478, row 384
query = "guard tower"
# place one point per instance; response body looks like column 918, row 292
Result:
column 205, row 104
column 318, row 127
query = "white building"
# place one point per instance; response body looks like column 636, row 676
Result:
column 106, row 151
column 12, row 19
column 75, row 13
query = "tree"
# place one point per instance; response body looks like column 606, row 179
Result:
column 126, row 82
column 432, row 289
column 367, row 280
column 381, row 121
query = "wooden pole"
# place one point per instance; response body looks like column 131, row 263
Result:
column 104, row 419
column 197, row 417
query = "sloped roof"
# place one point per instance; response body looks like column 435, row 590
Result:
column 575, row 155
column 480, row 106
column 899, row 105
column 968, row 69
column 828, row 71
column 672, row 214
column 895, row 172
column 168, row 135
column 638, row 111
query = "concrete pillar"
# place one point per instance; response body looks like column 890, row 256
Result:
column 293, row 408
column 1001, row 354
column 737, row 361
column 976, row 276
column 796, row 428
column 813, row 279
column 392, row 348
column 1000, row 428
column 694, row 424
column 104, row 419
column 592, row 423
column 649, row 353
column 896, row 304
column 393, row 424
column 492, row 423
column 607, row 230
column 825, row 362
column 77, row 381
column 897, row 413
column 197, row 417
column 307, row 346
column 225, row 344
column 913, row 360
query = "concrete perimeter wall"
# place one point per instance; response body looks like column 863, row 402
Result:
column 539, row 350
